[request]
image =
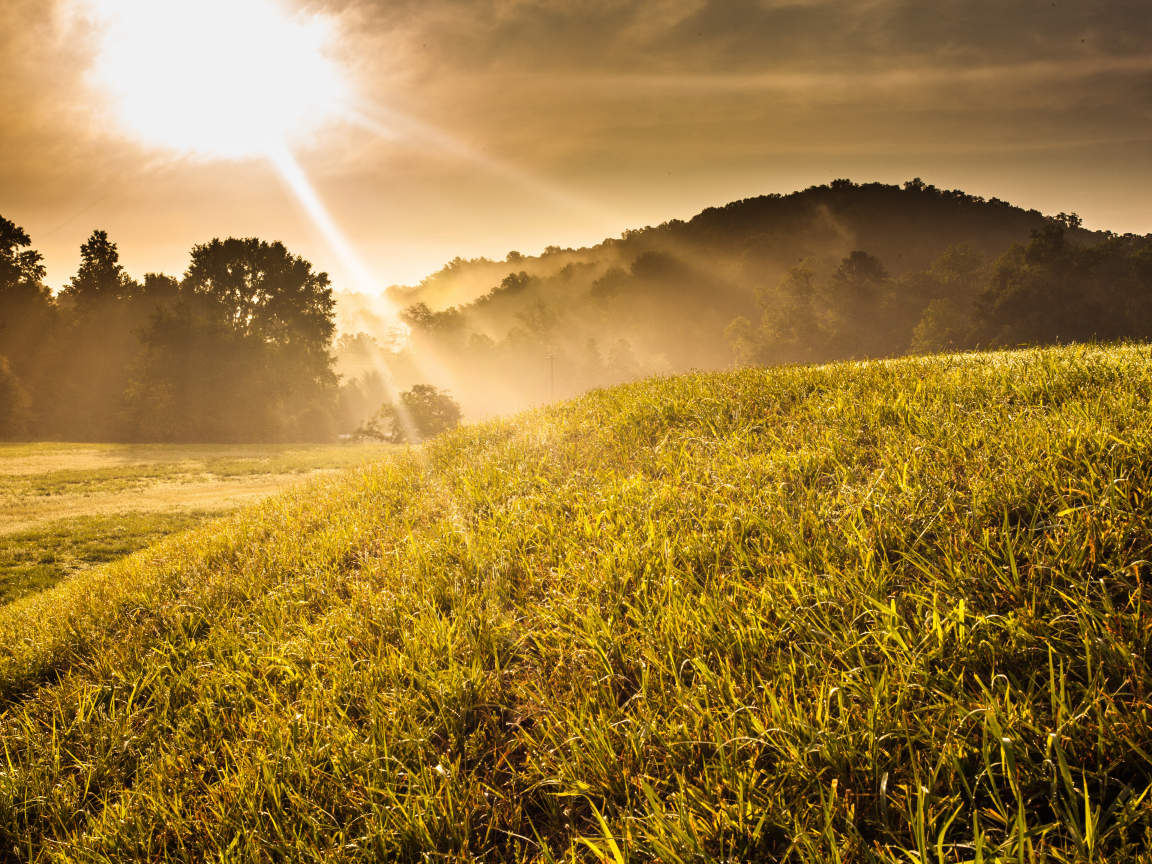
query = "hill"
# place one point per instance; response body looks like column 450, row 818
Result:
column 253, row 344
column 838, row 271
column 876, row 611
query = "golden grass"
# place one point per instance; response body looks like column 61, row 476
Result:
column 864, row 612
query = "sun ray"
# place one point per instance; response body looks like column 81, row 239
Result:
column 396, row 125
column 385, row 371
column 295, row 179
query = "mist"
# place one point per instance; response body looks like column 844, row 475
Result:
column 252, row 343
column 832, row 272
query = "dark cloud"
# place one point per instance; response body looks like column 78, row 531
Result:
column 744, row 35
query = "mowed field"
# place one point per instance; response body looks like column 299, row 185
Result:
column 65, row 508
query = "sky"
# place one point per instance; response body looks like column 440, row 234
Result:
column 380, row 139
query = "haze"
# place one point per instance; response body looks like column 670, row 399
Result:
column 471, row 128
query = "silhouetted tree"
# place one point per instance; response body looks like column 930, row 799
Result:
column 261, row 290
column 1054, row 290
column 103, row 306
column 14, row 405
column 443, row 329
column 423, row 412
column 30, row 336
column 243, row 355
column 101, row 277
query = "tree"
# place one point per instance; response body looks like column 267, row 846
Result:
column 356, row 398
column 196, row 381
column 592, row 368
column 102, row 306
column 243, row 355
column 791, row 329
column 21, row 273
column 445, row 328
column 101, row 277
column 860, row 294
column 1053, row 290
column 860, row 277
column 621, row 360
column 959, row 272
column 14, row 404
column 944, row 327
column 539, row 325
column 423, row 412
column 261, row 290
column 29, row 330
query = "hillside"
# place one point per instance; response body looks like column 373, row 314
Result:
column 252, row 344
column 831, row 272
column 858, row 611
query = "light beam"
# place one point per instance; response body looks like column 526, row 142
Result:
column 293, row 176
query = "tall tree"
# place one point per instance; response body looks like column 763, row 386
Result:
column 262, row 290
column 29, row 329
column 103, row 306
column 245, row 355
column 101, row 277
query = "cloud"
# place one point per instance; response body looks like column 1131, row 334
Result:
column 612, row 101
column 514, row 71
column 745, row 36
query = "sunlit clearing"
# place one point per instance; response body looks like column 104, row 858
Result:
column 220, row 78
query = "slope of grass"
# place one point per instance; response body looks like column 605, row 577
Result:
column 893, row 611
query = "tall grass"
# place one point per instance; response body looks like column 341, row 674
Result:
column 861, row 612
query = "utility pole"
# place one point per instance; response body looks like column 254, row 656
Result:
column 552, row 379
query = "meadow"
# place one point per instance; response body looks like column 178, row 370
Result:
column 887, row 611
column 67, row 507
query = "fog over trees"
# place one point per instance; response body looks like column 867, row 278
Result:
column 251, row 344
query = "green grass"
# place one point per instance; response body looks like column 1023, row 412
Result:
column 39, row 558
column 864, row 612
column 136, row 466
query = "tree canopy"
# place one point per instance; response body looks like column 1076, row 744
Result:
column 422, row 412
column 261, row 290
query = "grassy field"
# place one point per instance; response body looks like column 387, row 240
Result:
column 67, row 507
column 864, row 612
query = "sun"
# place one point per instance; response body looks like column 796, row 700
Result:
column 217, row 78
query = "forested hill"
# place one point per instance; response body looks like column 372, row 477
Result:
column 251, row 344
column 830, row 272
column 907, row 227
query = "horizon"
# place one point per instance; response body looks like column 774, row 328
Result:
column 434, row 268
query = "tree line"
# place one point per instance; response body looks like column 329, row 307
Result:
column 1050, row 290
column 244, row 346
column 236, row 350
